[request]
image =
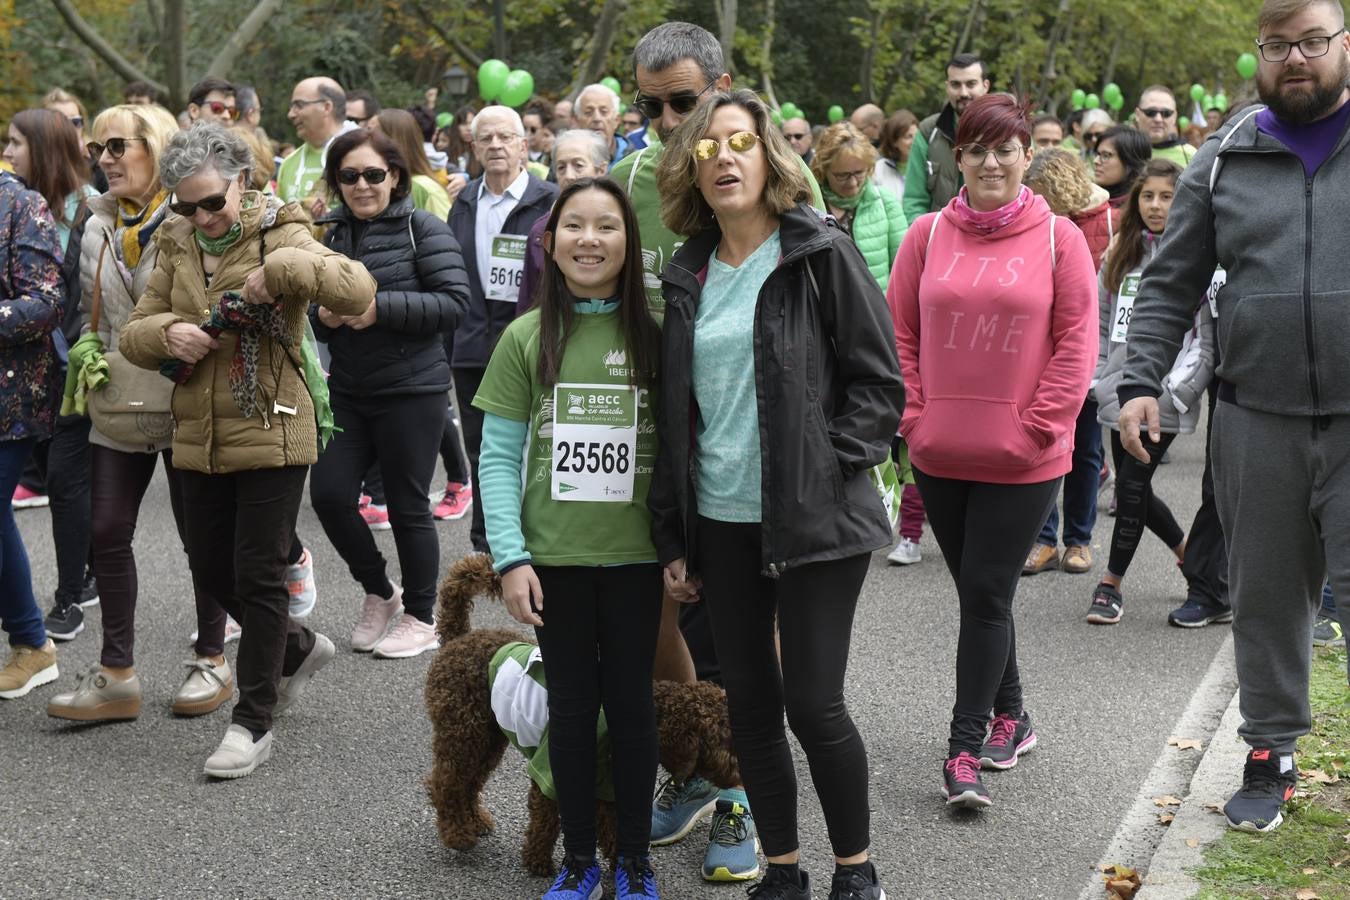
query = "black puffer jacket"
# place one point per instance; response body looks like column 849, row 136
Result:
column 828, row 389
column 422, row 293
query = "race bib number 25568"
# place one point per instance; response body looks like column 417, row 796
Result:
column 594, row 442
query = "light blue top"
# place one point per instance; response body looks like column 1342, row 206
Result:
column 728, row 455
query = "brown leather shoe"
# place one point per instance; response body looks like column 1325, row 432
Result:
column 1077, row 560
column 1041, row 558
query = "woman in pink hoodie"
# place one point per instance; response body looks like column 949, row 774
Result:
column 994, row 304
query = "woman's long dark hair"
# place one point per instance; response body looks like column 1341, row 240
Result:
column 1127, row 247
column 1132, row 147
column 557, row 316
column 56, row 163
column 462, row 148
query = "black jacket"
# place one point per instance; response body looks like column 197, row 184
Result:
column 828, row 389
column 485, row 319
column 422, row 292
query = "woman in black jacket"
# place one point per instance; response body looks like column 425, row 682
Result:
column 388, row 384
column 779, row 391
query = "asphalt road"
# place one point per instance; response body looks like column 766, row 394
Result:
column 123, row 810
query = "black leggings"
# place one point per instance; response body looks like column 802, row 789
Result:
column 452, row 455
column 62, row 463
column 1137, row 506
column 985, row 532
column 401, row 434
column 813, row 605
column 598, row 643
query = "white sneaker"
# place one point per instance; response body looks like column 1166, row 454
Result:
column 232, row 631
column 290, row 687
column 906, row 553
column 410, row 637
column 238, row 754
column 378, row 615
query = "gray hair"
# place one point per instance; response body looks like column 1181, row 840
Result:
column 673, row 42
column 204, row 145
column 614, row 98
column 496, row 109
column 1096, row 117
column 596, row 146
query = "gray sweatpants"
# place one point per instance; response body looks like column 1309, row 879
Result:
column 1282, row 484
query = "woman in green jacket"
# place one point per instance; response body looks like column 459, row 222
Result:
column 843, row 166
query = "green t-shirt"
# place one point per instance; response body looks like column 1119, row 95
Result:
column 299, row 173
column 637, row 173
column 598, row 460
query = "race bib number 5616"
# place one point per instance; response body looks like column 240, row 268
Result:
column 506, row 267
column 594, row 442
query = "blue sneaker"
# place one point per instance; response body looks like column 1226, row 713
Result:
column 578, row 880
column 1196, row 613
column 679, row 807
column 633, row 878
column 733, row 844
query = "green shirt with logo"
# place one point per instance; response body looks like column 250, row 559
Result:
column 594, row 385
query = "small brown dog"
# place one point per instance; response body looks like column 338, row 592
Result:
column 693, row 731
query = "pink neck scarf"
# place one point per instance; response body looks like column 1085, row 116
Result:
column 989, row 222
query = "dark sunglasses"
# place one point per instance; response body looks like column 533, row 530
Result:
column 683, row 103
column 1154, row 112
column 371, row 175
column 77, row 121
column 187, row 210
column 791, row 136
column 116, row 147
column 220, row 109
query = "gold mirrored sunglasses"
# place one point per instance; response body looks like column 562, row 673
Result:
column 740, row 142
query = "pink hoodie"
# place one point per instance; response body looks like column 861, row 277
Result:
column 997, row 345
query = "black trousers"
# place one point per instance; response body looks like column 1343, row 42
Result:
column 401, row 435
column 1206, row 563
column 452, row 455
column 812, row 606
column 598, row 643
column 1137, row 507
column 985, row 532
column 63, row 462
column 467, row 381
column 239, row 528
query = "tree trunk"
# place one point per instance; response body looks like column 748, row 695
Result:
column 1110, row 74
column 964, row 39
column 175, row 53
column 903, row 68
column 1058, row 34
column 236, row 43
column 499, row 29
column 105, row 51
column 767, row 53
column 726, row 27
column 602, row 39
column 869, row 58
column 450, row 40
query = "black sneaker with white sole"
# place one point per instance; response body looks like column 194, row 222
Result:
column 1268, row 781
column 1106, row 605
column 856, row 883
column 64, row 621
column 961, row 782
column 1009, row 737
column 89, row 593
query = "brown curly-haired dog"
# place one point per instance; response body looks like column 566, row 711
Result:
column 694, row 735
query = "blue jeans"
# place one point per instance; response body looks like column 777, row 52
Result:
column 19, row 613
column 1080, row 485
column 1328, row 602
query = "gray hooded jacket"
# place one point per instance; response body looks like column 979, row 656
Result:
column 1284, row 313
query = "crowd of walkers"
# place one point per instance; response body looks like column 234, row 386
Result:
column 679, row 368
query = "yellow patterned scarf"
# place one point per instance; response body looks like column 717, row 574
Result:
column 137, row 225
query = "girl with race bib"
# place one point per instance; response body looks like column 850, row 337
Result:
column 569, row 443
column 1141, row 229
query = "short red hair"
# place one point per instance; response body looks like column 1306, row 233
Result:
column 992, row 120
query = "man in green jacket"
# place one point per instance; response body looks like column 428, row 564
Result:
column 932, row 178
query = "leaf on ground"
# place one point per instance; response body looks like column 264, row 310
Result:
column 1318, row 776
column 1121, row 882
column 1340, row 861
column 1192, row 842
column 1182, row 743
column 1165, row 818
column 1309, row 870
column 1307, row 894
column 1166, row 801
column 1214, row 808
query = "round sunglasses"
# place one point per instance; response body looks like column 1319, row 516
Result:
column 740, row 142
column 115, row 147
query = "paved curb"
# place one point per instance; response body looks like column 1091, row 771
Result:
column 1142, row 842
column 1196, row 822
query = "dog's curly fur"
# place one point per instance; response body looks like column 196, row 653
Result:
column 694, row 734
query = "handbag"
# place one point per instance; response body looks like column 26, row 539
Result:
column 135, row 406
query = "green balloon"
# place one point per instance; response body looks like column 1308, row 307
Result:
column 1078, row 98
column 836, row 113
column 1092, row 101
column 1220, row 102
column 1197, row 92
column 612, row 83
column 1207, row 103
column 445, row 120
column 518, row 88
column 1116, row 102
column 1183, row 123
column 1246, row 65
column 1111, row 93
column 491, row 75
column 790, row 110
column 776, row 116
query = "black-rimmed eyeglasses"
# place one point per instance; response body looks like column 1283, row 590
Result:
column 1308, row 47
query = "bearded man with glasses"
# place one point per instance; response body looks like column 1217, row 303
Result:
column 1156, row 116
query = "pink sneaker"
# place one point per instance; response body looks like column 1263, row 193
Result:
column 26, row 499
column 408, row 638
column 456, row 503
column 377, row 517
column 378, row 615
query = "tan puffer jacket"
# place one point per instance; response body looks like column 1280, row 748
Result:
column 211, row 435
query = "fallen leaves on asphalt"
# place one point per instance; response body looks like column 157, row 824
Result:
column 1182, row 743
column 1121, row 882
column 1165, row 818
column 1166, row 801
column 1192, row 842
column 1214, row 808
